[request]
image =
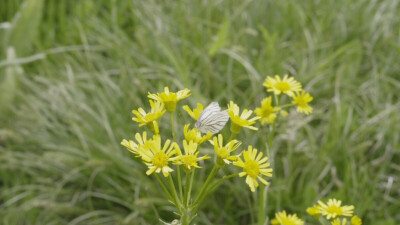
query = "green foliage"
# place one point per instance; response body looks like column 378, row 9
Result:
column 80, row 67
column 222, row 37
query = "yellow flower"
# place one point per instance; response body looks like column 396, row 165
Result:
column 224, row 152
column 286, row 85
column 314, row 211
column 281, row 218
column 196, row 112
column 157, row 158
column 301, row 99
column 356, row 221
column 238, row 122
column 149, row 119
column 170, row 98
column 333, row 209
column 189, row 160
column 267, row 112
column 133, row 146
column 195, row 135
column 254, row 165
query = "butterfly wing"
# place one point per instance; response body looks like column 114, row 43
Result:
column 212, row 119
column 212, row 108
column 214, row 123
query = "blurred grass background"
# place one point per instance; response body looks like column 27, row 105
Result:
column 71, row 71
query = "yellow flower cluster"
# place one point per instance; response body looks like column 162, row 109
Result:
column 212, row 119
column 334, row 212
column 268, row 112
column 168, row 156
column 155, row 156
column 331, row 212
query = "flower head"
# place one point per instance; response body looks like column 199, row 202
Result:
column 333, row 209
column 149, row 119
column 301, row 99
column 314, row 211
column 170, row 98
column 189, row 159
column 240, row 121
column 157, row 158
column 133, row 146
column 267, row 111
column 355, row 220
column 254, row 165
column 224, row 152
column 196, row 112
column 281, row 218
column 195, row 135
column 286, row 85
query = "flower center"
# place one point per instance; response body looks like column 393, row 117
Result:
column 189, row 160
column 334, row 210
column 223, row 153
column 252, row 168
column 267, row 111
column 150, row 117
column 301, row 102
column 160, row 160
column 193, row 135
column 282, row 86
column 287, row 221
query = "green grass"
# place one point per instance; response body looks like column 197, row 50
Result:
column 80, row 67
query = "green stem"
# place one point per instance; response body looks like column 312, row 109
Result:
column 233, row 135
column 190, row 187
column 272, row 130
column 261, row 208
column 175, row 195
column 187, row 184
column 179, row 182
column 165, row 189
column 212, row 174
column 286, row 105
column 271, row 136
column 218, row 182
column 185, row 216
column 173, row 126
column 263, row 190
column 211, row 189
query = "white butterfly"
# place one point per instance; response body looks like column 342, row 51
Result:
column 212, row 119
